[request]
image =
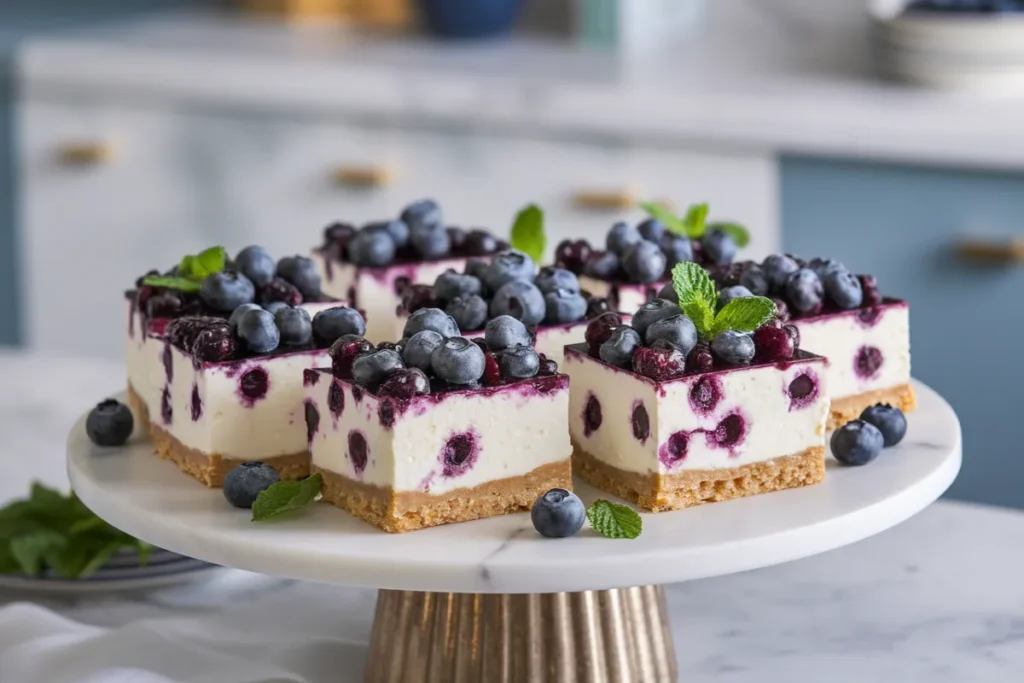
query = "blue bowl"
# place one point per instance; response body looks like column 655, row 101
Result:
column 469, row 18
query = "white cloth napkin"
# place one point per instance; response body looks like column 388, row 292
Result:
column 298, row 633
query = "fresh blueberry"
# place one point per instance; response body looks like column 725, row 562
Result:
column 551, row 278
column 677, row 249
column 274, row 306
column 644, row 262
column 451, row 285
column 458, row 360
column 477, row 268
column 237, row 314
column 480, row 243
column 509, row 266
column 619, row 348
column 418, row 348
column 651, row 230
column 430, row 319
column 423, row 213
column 468, row 312
column 803, row 290
column 890, row 421
column 558, row 514
column 733, row 348
column 301, row 272
column 521, row 300
column 397, row 230
column 668, row 293
column 456, row 237
column 110, row 423
column 719, row 247
column 651, row 312
column 430, row 241
column 621, row 237
column 294, row 325
column 677, row 330
column 344, row 352
column 563, row 306
column 505, row 331
column 257, row 331
column 244, row 483
column 730, row 293
column 331, row 323
column 843, row 288
column 257, row 264
column 404, row 384
column 822, row 266
column 573, row 254
column 603, row 267
column 857, row 443
column 373, row 368
column 519, row 362
column 754, row 279
column 777, row 268
column 225, row 291
column 372, row 248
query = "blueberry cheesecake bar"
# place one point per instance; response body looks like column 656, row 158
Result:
column 839, row 315
column 369, row 266
column 689, row 404
column 214, row 376
column 438, row 428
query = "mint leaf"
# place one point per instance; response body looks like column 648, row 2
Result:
column 170, row 282
column 695, row 220
column 208, row 262
column 286, row 496
column 186, row 267
column 29, row 550
column 528, row 232
column 696, row 293
column 665, row 217
column 614, row 521
column 745, row 314
column 739, row 234
column 98, row 559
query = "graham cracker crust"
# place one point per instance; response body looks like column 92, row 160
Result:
column 410, row 510
column 659, row 492
column 208, row 468
column 850, row 407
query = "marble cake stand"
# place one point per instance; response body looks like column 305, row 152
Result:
column 494, row 601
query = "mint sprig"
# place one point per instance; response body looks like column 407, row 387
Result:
column 192, row 270
column 694, row 223
column 665, row 217
column 612, row 520
column 286, row 496
column 51, row 531
column 739, row 234
column 697, row 299
column 527, row 233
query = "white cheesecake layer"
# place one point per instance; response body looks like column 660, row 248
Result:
column 624, row 296
column 515, row 430
column 374, row 289
column 843, row 338
column 773, row 424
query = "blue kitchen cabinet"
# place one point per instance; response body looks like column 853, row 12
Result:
column 903, row 224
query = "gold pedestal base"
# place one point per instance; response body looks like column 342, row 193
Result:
column 611, row 636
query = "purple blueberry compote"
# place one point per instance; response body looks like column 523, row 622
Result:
column 312, row 420
column 253, row 386
column 772, row 344
column 196, row 403
column 591, row 415
column 344, row 352
column 459, row 454
column 600, row 330
column 867, row 362
column 802, row 390
column 674, row 449
column 167, row 358
column 310, row 377
column 386, row 413
column 336, row 399
column 640, row 422
column 705, row 394
column 729, row 433
column 661, row 362
column 166, row 407
column 358, row 451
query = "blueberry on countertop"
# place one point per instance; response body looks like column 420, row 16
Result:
column 857, row 443
column 889, row 420
column 558, row 514
column 110, row 423
column 244, row 483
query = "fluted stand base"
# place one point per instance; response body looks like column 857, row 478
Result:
column 610, row 636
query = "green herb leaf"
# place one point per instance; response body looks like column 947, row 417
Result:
column 695, row 220
column 745, row 314
column 665, row 217
column 696, row 293
column 739, row 234
column 528, row 232
column 286, row 496
column 29, row 550
column 99, row 558
column 614, row 521
column 171, row 282
column 208, row 262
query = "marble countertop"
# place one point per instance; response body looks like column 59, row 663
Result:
column 935, row 599
column 781, row 75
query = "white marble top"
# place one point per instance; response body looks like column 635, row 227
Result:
column 782, row 75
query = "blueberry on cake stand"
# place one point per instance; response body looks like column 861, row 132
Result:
column 492, row 600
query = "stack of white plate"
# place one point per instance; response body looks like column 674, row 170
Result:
column 966, row 51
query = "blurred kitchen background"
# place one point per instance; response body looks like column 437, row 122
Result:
column 134, row 131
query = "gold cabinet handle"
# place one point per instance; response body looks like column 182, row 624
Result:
column 992, row 252
column 363, row 176
column 597, row 200
column 86, row 153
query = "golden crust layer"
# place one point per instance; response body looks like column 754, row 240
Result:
column 849, row 408
column 410, row 510
column 658, row 492
column 208, row 468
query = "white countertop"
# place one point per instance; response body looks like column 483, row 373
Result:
column 783, row 75
column 937, row 599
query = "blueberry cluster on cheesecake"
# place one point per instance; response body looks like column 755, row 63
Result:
column 695, row 401
column 368, row 266
column 842, row 316
column 437, row 428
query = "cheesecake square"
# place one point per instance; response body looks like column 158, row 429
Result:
column 701, row 437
